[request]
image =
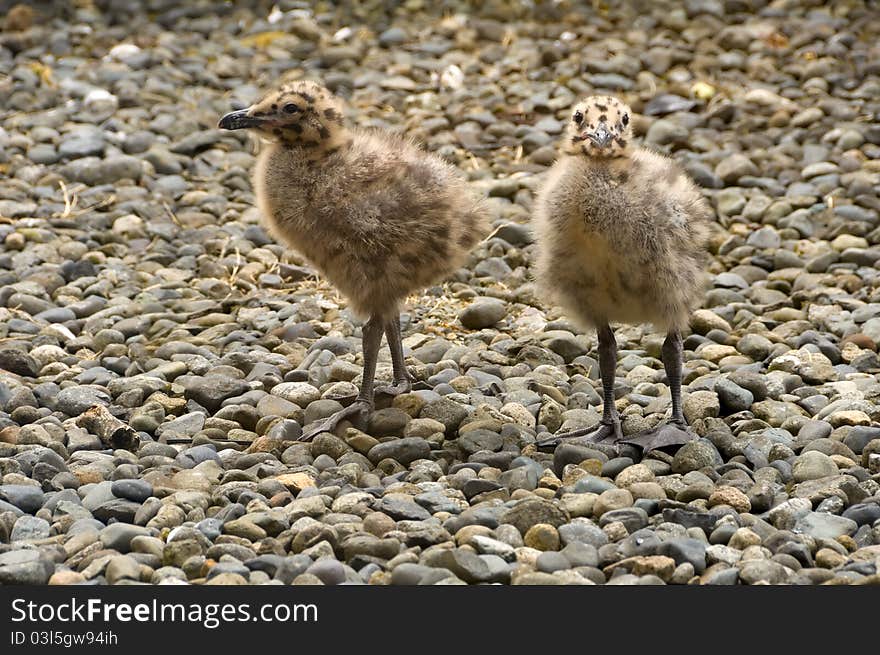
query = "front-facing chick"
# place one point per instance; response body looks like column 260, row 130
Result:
column 380, row 218
column 622, row 235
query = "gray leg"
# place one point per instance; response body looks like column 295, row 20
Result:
column 609, row 428
column 360, row 409
column 402, row 379
column 675, row 431
column 673, row 360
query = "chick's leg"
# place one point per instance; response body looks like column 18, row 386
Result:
column 608, row 430
column 359, row 411
column 402, row 379
column 675, row 431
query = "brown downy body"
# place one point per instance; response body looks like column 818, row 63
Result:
column 622, row 231
column 376, row 215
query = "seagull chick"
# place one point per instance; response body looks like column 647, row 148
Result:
column 622, row 236
column 377, row 216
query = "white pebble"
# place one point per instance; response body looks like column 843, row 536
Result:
column 100, row 101
column 452, row 77
column 123, row 51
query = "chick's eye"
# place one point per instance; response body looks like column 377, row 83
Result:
column 578, row 117
column 626, row 119
column 290, row 108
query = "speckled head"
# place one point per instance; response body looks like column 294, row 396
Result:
column 598, row 126
column 301, row 114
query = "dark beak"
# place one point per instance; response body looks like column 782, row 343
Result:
column 238, row 120
column 601, row 137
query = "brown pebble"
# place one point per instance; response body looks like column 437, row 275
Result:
column 19, row 19
column 280, row 499
column 378, row 523
column 861, row 340
column 9, row 434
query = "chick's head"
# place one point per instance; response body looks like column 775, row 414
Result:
column 302, row 114
column 598, row 126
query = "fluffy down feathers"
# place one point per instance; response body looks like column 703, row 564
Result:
column 379, row 217
column 622, row 239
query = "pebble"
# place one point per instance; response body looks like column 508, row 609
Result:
column 542, row 536
column 813, row 465
column 483, row 313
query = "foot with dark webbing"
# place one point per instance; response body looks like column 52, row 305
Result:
column 667, row 434
column 358, row 413
column 675, row 431
column 608, row 431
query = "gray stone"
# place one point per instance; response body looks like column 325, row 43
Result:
column 400, row 507
column 755, row 571
column 328, row 570
column 813, row 465
column 531, row 511
column 483, row 313
column 18, row 362
column 820, row 525
column 473, row 441
column 859, row 436
column 405, row 450
column 735, row 166
column 134, row 490
column 210, row 391
column 551, row 561
column 184, row 426
column 24, row 567
column 463, row 564
column 74, row 401
column 732, row 396
column 694, row 456
column 27, row 498
column 582, row 531
column 447, row 411
column 28, row 528
column 683, row 549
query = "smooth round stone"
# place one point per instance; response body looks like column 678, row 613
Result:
column 74, row 401
column 732, row 396
column 551, row 561
column 43, row 153
column 119, row 536
column 393, row 36
column 285, row 430
column 592, row 484
column 476, row 440
column 611, row 500
column 813, row 465
column 542, row 536
column 613, row 466
column 29, row 528
column 320, row 409
column 23, row 497
column 632, row 518
column 483, row 313
column 134, row 490
column 695, row 455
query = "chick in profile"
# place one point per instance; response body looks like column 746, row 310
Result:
column 622, row 237
column 378, row 217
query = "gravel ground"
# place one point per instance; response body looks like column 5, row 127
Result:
column 160, row 354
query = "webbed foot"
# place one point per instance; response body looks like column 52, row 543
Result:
column 358, row 413
column 663, row 436
column 607, row 433
column 395, row 389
